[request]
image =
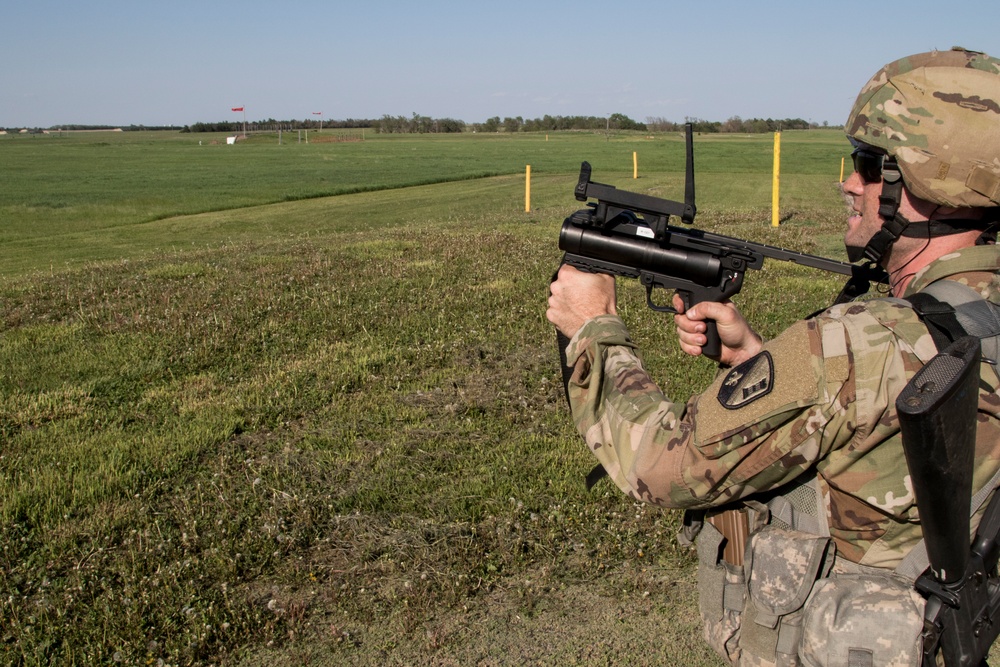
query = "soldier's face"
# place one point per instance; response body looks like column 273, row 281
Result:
column 862, row 203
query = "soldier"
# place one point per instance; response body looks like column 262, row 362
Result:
column 796, row 442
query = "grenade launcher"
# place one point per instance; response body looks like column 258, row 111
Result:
column 628, row 234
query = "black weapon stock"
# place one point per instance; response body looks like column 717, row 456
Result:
column 628, row 234
column 937, row 418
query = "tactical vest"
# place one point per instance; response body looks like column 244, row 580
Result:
column 773, row 590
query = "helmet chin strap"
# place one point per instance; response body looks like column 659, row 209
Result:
column 888, row 210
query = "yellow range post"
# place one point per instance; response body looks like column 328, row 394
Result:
column 527, row 189
column 776, row 180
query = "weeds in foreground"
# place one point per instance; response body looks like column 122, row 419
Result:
column 208, row 453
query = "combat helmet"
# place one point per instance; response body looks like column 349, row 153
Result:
column 936, row 119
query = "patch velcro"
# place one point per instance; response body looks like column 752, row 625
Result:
column 752, row 379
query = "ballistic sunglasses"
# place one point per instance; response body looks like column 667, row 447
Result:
column 867, row 161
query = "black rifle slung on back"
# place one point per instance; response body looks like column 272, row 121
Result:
column 629, row 234
column 937, row 418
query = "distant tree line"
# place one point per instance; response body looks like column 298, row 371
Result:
column 615, row 121
column 418, row 124
column 734, row 125
column 274, row 125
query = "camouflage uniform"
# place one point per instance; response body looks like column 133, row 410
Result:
column 827, row 407
column 817, row 402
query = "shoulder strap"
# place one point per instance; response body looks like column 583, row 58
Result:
column 974, row 314
column 951, row 310
column 939, row 316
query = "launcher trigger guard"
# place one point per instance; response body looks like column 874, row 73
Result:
column 656, row 307
column 651, row 280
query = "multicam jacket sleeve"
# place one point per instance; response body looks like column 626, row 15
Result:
column 712, row 449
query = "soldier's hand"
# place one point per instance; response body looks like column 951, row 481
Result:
column 739, row 341
column 577, row 296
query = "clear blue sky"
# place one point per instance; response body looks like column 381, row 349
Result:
column 119, row 62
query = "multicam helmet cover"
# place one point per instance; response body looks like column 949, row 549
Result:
column 938, row 114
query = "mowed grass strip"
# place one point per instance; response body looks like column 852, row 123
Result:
column 55, row 185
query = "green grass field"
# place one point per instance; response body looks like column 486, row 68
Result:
column 298, row 404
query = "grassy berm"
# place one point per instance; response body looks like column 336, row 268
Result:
column 350, row 449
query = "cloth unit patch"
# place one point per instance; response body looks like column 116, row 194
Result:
column 752, row 379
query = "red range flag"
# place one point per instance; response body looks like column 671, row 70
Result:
column 237, row 108
column 317, row 113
